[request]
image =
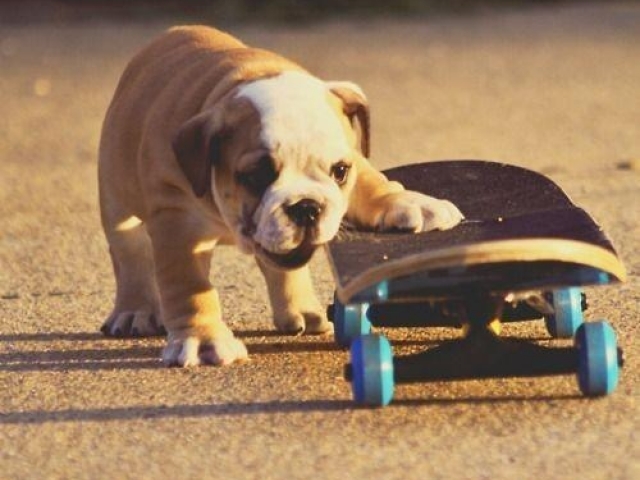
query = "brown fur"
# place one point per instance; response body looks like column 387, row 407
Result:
column 174, row 99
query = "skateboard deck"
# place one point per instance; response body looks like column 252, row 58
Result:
column 521, row 232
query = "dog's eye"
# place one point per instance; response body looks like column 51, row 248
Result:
column 257, row 179
column 339, row 172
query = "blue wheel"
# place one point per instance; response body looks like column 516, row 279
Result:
column 350, row 322
column 372, row 370
column 567, row 305
column 598, row 366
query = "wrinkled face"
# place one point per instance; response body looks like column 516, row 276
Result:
column 287, row 168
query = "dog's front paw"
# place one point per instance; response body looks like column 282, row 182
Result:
column 300, row 322
column 133, row 323
column 416, row 212
column 189, row 349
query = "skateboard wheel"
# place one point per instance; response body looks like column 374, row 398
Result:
column 350, row 322
column 567, row 316
column 372, row 370
column 598, row 364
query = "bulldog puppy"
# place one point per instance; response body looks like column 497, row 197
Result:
column 209, row 141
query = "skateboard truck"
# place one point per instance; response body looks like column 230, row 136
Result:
column 561, row 309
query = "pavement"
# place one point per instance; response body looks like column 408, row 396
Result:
column 551, row 88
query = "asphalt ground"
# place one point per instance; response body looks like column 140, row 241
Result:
column 553, row 89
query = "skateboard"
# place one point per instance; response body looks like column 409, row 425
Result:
column 523, row 252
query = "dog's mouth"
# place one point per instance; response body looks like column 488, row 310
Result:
column 293, row 259
column 287, row 260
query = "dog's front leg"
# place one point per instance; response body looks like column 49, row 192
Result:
column 296, row 308
column 182, row 245
column 383, row 205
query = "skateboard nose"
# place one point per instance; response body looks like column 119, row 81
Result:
column 304, row 213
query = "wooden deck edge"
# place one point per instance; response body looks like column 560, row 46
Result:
column 523, row 250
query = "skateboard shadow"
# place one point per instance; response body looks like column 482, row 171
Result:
column 481, row 400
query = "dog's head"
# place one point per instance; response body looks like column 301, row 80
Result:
column 279, row 156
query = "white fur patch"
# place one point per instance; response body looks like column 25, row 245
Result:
column 298, row 122
column 275, row 230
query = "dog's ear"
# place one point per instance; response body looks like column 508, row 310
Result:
column 197, row 148
column 356, row 107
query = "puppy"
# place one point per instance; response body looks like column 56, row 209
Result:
column 208, row 141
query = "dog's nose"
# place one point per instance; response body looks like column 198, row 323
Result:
column 304, row 213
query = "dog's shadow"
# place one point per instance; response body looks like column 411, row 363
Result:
column 123, row 354
column 63, row 351
column 58, row 352
column 267, row 342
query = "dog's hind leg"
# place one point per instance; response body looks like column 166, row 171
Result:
column 137, row 306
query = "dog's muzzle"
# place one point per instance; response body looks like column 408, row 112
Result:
column 305, row 214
